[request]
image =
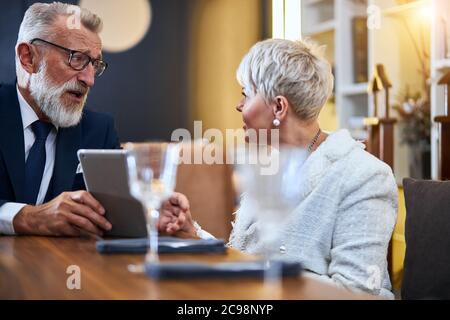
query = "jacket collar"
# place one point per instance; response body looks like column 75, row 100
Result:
column 68, row 143
column 335, row 147
column 13, row 150
column 12, row 139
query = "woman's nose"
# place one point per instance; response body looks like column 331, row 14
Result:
column 239, row 107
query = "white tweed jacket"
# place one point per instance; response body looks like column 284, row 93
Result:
column 344, row 221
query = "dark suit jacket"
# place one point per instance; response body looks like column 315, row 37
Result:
column 95, row 131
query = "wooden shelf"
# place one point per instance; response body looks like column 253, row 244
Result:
column 354, row 89
column 322, row 27
column 404, row 9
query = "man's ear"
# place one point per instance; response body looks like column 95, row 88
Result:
column 28, row 57
column 280, row 107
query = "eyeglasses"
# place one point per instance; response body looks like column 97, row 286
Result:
column 79, row 60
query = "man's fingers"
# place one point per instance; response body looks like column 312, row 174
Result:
column 88, row 213
column 87, row 199
column 83, row 223
column 70, row 231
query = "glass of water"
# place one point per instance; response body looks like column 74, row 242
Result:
column 152, row 169
column 269, row 181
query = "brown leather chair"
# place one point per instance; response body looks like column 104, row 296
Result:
column 210, row 191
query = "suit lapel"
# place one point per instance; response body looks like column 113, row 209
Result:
column 12, row 140
column 67, row 144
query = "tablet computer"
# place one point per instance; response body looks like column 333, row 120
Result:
column 106, row 177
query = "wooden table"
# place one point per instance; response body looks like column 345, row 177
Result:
column 35, row 268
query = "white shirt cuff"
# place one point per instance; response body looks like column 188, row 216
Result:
column 202, row 234
column 7, row 213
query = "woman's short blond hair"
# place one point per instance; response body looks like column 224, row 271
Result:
column 296, row 70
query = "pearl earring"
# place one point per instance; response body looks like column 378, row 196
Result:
column 276, row 123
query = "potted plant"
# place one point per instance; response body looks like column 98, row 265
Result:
column 414, row 107
column 415, row 120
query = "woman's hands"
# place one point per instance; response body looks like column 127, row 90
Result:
column 175, row 217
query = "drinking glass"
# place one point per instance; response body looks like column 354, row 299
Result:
column 270, row 193
column 152, row 169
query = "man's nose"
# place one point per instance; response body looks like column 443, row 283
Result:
column 87, row 75
column 239, row 107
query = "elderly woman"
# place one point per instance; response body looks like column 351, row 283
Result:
column 344, row 221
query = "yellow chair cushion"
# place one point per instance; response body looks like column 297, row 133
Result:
column 398, row 244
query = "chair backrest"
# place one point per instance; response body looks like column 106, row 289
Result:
column 208, row 187
column 210, row 191
column 427, row 233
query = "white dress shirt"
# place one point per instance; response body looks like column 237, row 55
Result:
column 9, row 210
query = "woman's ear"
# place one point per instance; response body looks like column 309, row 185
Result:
column 27, row 57
column 280, row 107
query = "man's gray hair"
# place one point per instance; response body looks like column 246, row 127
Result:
column 39, row 20
column 293, row 69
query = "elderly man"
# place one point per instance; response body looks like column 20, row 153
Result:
column 43, row 123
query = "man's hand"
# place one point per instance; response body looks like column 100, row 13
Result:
column 69, row 214
column 175, row 217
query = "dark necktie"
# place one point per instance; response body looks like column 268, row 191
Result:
column 35, row 164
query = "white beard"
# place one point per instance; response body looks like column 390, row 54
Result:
column 48, row 98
